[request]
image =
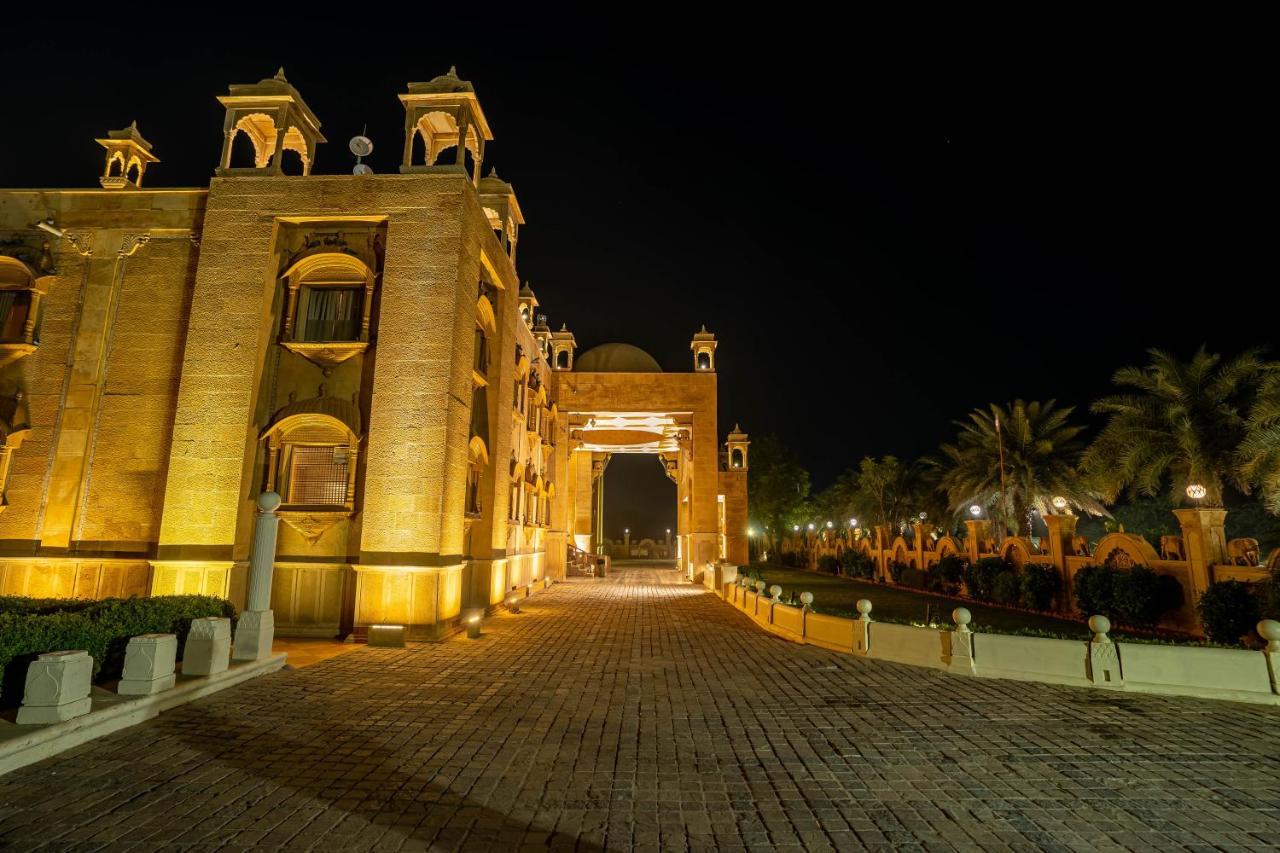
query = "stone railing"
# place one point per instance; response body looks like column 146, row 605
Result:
column 1200, row 556
column 1100, row 662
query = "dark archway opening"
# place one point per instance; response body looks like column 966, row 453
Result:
column 640, row 497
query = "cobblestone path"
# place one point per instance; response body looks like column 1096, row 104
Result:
column 638, row 713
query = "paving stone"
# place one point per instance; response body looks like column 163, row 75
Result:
column 635, row 712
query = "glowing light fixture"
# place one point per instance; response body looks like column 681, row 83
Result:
column 811, row 525
column 853, row 522
column 975, row 510
column 830, row 525
column 924, row 516
column 1196, row 491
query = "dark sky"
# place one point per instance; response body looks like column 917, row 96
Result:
column 885, row 225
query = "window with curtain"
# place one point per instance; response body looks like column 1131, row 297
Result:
column 14, row 306
column 329, row 313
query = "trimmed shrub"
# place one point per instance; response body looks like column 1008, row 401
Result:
column 979, row 577
column 912, row 577
column 950, row 571
column 1137, row 596
column 857, row 564
column 1040, row 584
column 1143, row 596
column 102, row 628
column 1006, row 587
column 895, row 571
column 828, row 564
column 1093, row 586
column 1228, row 610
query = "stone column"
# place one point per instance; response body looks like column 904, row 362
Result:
column 257, row 628
column 1062, row 528
column 1205, row 538
column 977, row 530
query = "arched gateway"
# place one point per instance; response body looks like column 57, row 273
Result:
column 615, row 398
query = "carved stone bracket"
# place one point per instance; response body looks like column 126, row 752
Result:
column 81, row 240
column 132, row 243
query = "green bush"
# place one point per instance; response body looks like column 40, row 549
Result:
column 979, row 577
column 1229, row 610
column 856, row 564
column 1006, row 588
column 912, row 577
column 1137, row 596
column 31, row 627
column 1040, row 583
column 950, row 571
column 828, row 564
column 895, row 571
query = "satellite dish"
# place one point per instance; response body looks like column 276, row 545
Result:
column 361, row 146
column 361, row 169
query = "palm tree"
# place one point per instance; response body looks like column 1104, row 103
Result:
column 1013, row 459
column 1182, row 425
column 1259, row 453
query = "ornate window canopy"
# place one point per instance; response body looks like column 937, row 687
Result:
column 312, row 449
column 328, row 307
column 22, row 289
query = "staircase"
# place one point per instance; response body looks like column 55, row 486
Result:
column 579, row 563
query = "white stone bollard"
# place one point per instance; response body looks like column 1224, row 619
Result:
column 256, row 629
column 775, row 591
column 208, row 647
column 862, row 628
column 760, row 585
column 961, row 642
column 1269, row 630
column 806, row 600
column 148, row 664
column 1104, row 658
column 57, row 688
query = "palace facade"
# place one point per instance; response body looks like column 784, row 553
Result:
column 358, row 343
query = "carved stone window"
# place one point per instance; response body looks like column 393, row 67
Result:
column 328, row 303
column 21, row 291
column 312, row 449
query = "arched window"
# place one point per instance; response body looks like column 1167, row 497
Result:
column 329, row 297
column 562, row 359
column 704, row 361
column 21, row 293
column 736, row 457
column 312, row 448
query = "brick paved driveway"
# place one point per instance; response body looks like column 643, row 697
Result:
column 635, row 712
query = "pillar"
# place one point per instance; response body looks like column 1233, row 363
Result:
column 256, row 628
column 1204, row 536
column 977, row 529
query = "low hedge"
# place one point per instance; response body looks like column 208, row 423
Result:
column 30, row 627
column 1137, row 596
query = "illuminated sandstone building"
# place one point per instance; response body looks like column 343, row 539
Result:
column 358, row 343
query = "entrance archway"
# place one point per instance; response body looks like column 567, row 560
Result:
column 618, row 401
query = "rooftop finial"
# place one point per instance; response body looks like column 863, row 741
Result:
column 280, row 75
column 704, row 329
column 453, row 71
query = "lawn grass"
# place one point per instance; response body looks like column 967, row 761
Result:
column 837, row 596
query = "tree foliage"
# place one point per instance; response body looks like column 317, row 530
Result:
column 1183, row 422
column 1035, row 448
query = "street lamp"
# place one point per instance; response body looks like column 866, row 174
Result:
column 796, row 528
column 1059, row 503
column 830, row 525
column 853, row 522
column 1196, row 491
column 975, row 510
column 811, row 525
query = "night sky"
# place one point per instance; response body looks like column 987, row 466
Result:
column 884, row 227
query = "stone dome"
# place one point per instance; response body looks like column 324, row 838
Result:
column 616, row 358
